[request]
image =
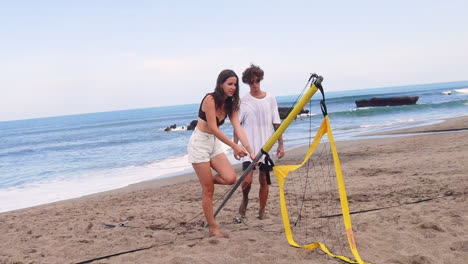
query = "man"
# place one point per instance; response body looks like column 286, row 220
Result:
column 259, row 117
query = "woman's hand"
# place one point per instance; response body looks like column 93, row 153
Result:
column 252, row 156
column 239, row 151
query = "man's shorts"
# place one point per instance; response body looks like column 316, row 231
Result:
column 262, row 166
column 203, row 146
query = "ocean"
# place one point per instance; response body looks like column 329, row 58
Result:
column 50, row 159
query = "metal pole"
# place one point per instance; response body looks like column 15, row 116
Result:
column 236, row 185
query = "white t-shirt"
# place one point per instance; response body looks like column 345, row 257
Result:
column 257, row 117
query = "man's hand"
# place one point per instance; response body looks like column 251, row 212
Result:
column 280, row 152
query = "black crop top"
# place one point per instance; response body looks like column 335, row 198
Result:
column 202, row 114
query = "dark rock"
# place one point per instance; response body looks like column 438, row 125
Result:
column 192, row 125
column 169, row 128
column 284, row 111
column 387, row 101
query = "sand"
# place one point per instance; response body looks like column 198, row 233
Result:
column 408, row 196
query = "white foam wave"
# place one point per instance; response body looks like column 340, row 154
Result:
column 306, row 115
column 169, row 129
column 89, row 183
column 182, row 128
column 386, row 124
column 79, row 185
column 465, row 90
column 360, row 108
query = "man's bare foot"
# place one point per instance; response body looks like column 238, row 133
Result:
column 261, row 214
column 243, row 207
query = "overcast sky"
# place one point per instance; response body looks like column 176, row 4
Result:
column 68, row 57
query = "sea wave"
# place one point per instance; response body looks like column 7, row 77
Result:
column 371, row 111
column 464, row 91
column 338, row 97
column 456, row 91
column 101, row 126
column 71, row 146
column 19, row 140
column 52, row 190
column 387, row 124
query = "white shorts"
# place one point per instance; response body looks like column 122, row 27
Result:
column 203, row 147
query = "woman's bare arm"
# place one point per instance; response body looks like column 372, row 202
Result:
column 209, row 107
column 240, row 134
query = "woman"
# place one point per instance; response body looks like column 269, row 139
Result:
column 205, row 148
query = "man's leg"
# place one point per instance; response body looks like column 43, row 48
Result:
column 263, row 192
column 246, row 185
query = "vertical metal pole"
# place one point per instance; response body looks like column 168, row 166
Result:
column 236, row 185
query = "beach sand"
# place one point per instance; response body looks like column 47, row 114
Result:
column 408, row 196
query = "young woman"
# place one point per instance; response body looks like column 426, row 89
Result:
column 205, row 150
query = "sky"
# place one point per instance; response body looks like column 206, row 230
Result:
column 70, row 57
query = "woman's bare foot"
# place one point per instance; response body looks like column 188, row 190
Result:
column 216, row 233
column 243, row 207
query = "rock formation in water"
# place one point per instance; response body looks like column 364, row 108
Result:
column 284, row 111
column 192, row 125
column 387, row 101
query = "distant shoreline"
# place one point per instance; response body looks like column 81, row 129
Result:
column 448, row 125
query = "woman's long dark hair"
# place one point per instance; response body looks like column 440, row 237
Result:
column 232, row 103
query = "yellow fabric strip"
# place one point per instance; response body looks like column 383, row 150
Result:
column 281, row 173
column 343, row 196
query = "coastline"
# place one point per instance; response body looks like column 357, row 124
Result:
column 164, row 214
column 447, row 125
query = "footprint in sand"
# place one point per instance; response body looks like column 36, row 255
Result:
column 414, row 259
column 461, row 246
column 432, row 226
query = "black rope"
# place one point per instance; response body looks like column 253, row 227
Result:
column 269, row 164
column 323, row 106
column 313, row 75
column 383, row 208
column 117, row 254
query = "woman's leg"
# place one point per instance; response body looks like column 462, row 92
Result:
column 226, row 174
column 203, row 171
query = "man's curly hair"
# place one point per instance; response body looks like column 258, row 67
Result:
column 250, row 72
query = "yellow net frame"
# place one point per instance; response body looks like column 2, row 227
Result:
column 282, row 172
